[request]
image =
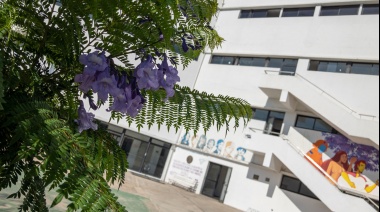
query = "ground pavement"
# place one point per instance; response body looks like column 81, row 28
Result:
column 139, row 195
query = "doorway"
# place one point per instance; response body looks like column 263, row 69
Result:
column 146, row 155
column 217, row 180
column 274, row 123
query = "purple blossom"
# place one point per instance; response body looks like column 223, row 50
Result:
column 104, row 85
column 168, row 76
column 135, row 103
column 85, row 120
column 119, row 104
column 86, row 81
column 95, row 61
column 91, row 102
column 147, row 76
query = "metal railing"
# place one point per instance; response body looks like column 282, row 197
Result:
column 353, row 112
column 341, row 189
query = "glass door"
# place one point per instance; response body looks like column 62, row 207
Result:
column 148, row 157
column 217, row 180
column 225, row 185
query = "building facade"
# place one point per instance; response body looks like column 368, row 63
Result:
column 310, row 69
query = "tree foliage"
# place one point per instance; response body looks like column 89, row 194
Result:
column 40, row 45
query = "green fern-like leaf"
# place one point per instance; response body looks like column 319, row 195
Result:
column 194, row 110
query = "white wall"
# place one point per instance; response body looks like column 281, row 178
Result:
column 243, row 192
column 344, row 37
column 359, row 92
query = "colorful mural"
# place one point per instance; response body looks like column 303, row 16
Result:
column 210, row 145
column 347, row 163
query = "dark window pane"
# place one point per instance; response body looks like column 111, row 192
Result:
column 332, row 67
column 314, row 65
column 217, row 60
column 361, row 68
column 290, row 184
column 342, row 67
column 322, row 66
column 259, row 13
column 375, row 70
column 371, row 9
column 349, row 10
column 290, row 13
column 245, row 61
column 261, row 115
column 322, row 126
column 228, row 60
column 276, row 63
column 223, row 60
column 274, row 13
column 259, row 62
column 252, row 62
column 305, row 122
column 277, row 115
column 304, row 190
column 330, row 11
column 306, row 12
column 289, row 65
column 245, row 13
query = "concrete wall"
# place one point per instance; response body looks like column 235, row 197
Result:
column 244, row 193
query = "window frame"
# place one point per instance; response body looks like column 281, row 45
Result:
column 314, row 65
column 339, row 10
column 299, row 187
column 363, row 9
column 267, row 13
column 298, row 12
column 333, row 130
column 233, row 62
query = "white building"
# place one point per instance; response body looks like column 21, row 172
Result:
column 310, row 69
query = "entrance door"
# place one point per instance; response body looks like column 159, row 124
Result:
column 146, row 155
column 217, row 181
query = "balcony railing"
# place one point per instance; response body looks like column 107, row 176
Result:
column 323, row 92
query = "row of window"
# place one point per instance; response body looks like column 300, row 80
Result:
column 369, row 9
column 290, row 65
column 345, row 67
column 286, row 65
column 274, row 121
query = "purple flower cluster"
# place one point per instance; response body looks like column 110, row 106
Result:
column 101, row 76
column 152, row 77
column 85, row 120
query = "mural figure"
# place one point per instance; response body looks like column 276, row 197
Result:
column 357, row 180
column 202, row 142
column 315, row 154
column 230, row 146
column 194, row 141
column 209, row 148
column 338, row 164
column 240, row 155
column 219, row 147
column 185, row 139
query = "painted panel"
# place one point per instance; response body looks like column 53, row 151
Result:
column 187, row 170
column 229, row 147
column 352, row 166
